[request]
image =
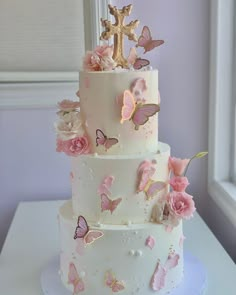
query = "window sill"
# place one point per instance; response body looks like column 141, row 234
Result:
column 224, row 194
column 35, row 95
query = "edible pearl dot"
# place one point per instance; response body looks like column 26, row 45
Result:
column 82, row 274
column 138, row 253
column 131, row 252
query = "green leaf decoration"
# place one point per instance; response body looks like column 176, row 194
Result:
column 200, row 155
column 197, row 156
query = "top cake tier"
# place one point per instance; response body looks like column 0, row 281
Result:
column 120, row 111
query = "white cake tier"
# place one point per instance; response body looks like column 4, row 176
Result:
column 123, row 250
column 89, row 172
column 98, row 96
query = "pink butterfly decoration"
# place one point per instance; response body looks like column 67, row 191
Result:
column 102, row 139
column 146, row 41
column 132, row 56
column 160, row 273
column 140, row 63
column 113, row 283
column 105, row 186
column 139, row 113
column 150, row 242
column 75, row 280
column 82, row 231
column 135, row 61
column 138, row 89
column 108, row 204
column 145, row 184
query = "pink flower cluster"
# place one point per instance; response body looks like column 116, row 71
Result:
column 73, row 147
column 177, row 204
column 180, row 204
column 179, row 183
column 71, row 137
column 100, row 59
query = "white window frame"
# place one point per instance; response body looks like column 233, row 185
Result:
column 220, row 184
column 43, row 90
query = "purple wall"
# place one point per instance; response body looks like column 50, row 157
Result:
column 33, row 171
column 30, row 169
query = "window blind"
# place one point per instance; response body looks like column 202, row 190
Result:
column 41, row 36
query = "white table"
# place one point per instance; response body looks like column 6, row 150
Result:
column 33, row 240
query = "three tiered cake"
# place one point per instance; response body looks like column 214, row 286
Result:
column 122, row 230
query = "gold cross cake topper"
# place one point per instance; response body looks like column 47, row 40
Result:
column 118, row 30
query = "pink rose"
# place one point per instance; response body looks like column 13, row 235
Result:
column 70, row 126
column 68, row 105
column 100, row 59
column 179, row 183
column 181, row 204
column 92, row 62
column 104, row 50
column 178, row 166
column 74, row 147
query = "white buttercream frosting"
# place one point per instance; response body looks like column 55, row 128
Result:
column 122, row 252
column 98, row 100
column 89, row 173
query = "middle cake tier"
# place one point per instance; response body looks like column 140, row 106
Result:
column 119, row 189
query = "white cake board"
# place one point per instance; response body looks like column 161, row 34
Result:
column 194, row 283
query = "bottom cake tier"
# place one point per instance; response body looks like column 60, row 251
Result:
column 128, row 259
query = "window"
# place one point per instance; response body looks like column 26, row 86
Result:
column 41, row 48
column 233, row 168
column 222, row 126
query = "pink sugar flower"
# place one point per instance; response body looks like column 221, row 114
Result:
column 91, row 62
column 100, row 59
column 71, row 125
column 181, row 204
column 179, row 183
column 178, row 166
column 74, row 147
column 104, row 50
